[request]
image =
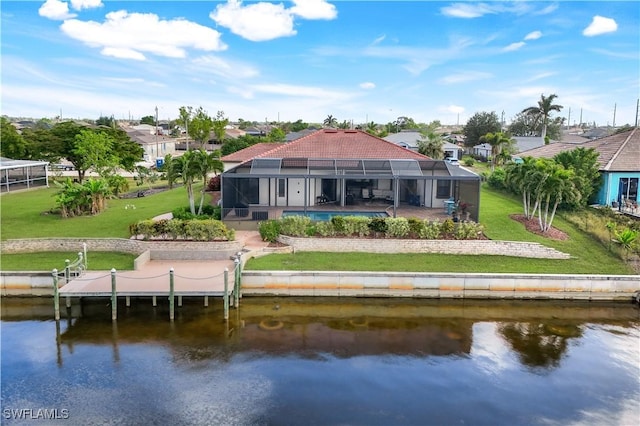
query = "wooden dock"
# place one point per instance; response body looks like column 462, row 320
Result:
column 172, row 279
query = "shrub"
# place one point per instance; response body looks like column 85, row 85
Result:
column 415, row 225
column 431, row 230
column 175, row 228
column 294, row 226
column 269, row 230
column 467, row 231
column 397, row 227
column 161, row 228
column 447, row 227
column 497, row 178
column 310, row 231
column 356, row 225
column 183, row 213
column 146, row 228
column 214, row 183
column 325, row 229
column 338, row 224
column 378, row 225
column 469, row 161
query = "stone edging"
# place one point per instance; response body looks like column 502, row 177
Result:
column 382, row 245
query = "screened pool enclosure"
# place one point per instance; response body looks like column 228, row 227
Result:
column 259, row 187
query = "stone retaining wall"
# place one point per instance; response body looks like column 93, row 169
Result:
column 160, row 249
column 476, row 247
column 440, row 285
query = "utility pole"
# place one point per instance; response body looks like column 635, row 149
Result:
column 614, row 115
column 637, row 106
column 569, row 119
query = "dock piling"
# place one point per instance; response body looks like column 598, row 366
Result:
column 225, row 296
column 56, row 295
column 114, row 297
column 154, row 301
column 206, row 301
column 171, row 296
column 236, row 282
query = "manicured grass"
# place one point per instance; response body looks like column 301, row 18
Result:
column 25, row 214
column 47, row 261
column 419, row 262
column 588, row 256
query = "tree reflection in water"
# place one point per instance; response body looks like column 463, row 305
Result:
column 539, row 344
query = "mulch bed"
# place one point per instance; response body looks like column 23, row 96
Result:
column 533, row 226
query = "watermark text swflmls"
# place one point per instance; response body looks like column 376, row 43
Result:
column 35, row 413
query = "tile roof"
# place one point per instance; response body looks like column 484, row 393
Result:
column 337, row 143
column 616, row 153
column 250, row 152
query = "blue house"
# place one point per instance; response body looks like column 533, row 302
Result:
column 619, row 160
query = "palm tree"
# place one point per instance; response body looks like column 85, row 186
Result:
column 186, row 167
column 330, row 121
column 372, row 128
column 430, row 144
column 498, row 142
column 205, row 164
column 543, row 110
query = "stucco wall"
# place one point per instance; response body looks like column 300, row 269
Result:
column 476, row 247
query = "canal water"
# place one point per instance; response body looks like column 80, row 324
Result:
column 333, row 361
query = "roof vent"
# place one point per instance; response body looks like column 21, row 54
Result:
column 351, row 131
column 331, row 130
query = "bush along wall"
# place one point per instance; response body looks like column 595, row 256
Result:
column 360, row 226
column 179, row 229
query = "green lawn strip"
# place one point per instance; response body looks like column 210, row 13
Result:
column 419, row 262
column 585, row 251
column 25, row 214
column 47, row 261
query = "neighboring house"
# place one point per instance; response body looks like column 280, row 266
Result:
column 233, row 133
column 154, row 146
column 482, row 150
column 410, row 139
column 619, row 160
column 22, row 174
column 292, row 136
column 525, row 143
column 144, row 128
column 407, row 139
column 342, row 167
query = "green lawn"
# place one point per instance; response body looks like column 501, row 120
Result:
column 588, row 256
column 46, row 261
column 25, row 214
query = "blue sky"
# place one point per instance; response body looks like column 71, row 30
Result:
column 306, row 59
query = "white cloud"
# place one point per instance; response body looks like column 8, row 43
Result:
column 130, row 35
column 464, row 77
column 303, row 91
column 123, row 53
column 86, row 4
column 55, row 9
column 314, row 9
column 476, row 10
column 465, row 10
column 256, row 22
column 224, row 68
column 455, row 109
column 267, row 21
column 367, row 85
column 379, row 39
column 600, row 25
column 534, row 35
column 514, row 46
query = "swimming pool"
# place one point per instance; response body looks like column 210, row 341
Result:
column 327, row 215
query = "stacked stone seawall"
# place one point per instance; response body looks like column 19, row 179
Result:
column 473, row 247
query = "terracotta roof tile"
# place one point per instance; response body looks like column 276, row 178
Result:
column 333, row 143
column 616, row 153
column 251, row 152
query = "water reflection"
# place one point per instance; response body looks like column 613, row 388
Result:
column 327, row 361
